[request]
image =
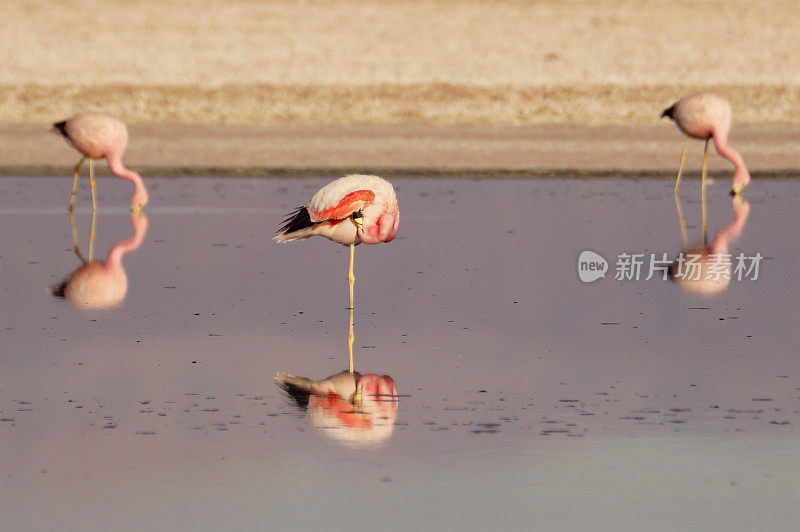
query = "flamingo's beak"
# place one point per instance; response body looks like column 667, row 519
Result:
column 358, row 219
column 736, row 192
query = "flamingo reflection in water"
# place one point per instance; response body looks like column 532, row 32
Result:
column 706, row 268
column 101, row 284
column 349, row 407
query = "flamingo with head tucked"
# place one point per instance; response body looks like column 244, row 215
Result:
column 98, row 136
column 705, row 116
column 350, row 210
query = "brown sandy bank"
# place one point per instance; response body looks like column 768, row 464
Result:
column 438, row 104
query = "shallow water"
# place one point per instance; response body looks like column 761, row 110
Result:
column 526, row 395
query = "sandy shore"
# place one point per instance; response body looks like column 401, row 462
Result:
column 417, row 61
column 404, row 149
column 434, row 104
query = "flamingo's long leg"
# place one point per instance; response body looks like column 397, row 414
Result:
column 76, row 174
column 75, row 246
column 92, row 184
column 703, row 194
column 682, row 222
column 94, row 210
column 680, row 168
column 92, row 235
column 351, row 278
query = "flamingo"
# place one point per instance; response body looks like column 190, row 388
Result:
column 100, row 284
column 705, row 116
column 98, row 136
column 352, row 209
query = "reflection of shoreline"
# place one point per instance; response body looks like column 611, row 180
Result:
column 351, row 408
column 102, row 284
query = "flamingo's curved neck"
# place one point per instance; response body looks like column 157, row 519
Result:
column 741, row 175
column 114, row 259
column 119, row 170
column 731, row 232
column 729, row 153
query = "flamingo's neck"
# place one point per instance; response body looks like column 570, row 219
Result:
column 114, row 259
column 731, row 232
column 140, row 196
column 741, row 176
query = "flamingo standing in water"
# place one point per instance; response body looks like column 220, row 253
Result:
column 350, row 210
column 98, row 136
column 705, row 116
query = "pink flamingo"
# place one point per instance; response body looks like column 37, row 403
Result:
column 350, row 210
column 98, row 136
column 703, row 116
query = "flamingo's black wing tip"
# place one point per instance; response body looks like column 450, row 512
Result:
column 295, row 221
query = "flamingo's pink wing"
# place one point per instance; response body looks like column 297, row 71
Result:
column 352, row 202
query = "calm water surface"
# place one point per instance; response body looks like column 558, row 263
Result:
column 527, row 397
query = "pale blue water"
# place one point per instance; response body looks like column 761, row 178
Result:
column 528, row 398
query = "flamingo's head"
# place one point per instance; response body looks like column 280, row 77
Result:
column 379, row 221
column 371, row 387
column 741, row 178
column 140, row 197
column 382, row 229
